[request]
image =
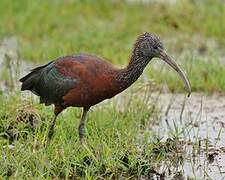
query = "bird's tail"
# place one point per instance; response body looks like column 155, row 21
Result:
column 29, row 81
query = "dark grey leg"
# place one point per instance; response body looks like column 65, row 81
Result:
column 82, row 124
column 51, row 129
column 57, row 111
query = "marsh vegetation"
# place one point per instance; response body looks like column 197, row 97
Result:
column 151, row 130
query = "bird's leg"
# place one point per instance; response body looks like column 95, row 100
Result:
column 57, row 111
column 82, row 124
column 51, row 129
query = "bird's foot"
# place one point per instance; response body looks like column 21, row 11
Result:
column 81, row 140
column 50, row 133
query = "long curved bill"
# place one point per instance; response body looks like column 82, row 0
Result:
column 163, row 55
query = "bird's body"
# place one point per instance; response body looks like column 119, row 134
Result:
column 79, row 81
column 85, row 80
column 96, row 80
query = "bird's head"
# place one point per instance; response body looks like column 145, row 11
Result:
column 149, row 46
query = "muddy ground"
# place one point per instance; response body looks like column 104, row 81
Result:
column 199, row 121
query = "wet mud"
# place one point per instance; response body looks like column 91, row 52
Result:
column 198, row 122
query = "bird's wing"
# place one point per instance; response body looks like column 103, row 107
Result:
column 52, row 85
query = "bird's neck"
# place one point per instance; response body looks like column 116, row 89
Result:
column 132, row 72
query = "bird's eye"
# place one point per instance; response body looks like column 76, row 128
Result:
column 155, row 47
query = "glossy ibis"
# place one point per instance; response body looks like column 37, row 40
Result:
column 85, row 80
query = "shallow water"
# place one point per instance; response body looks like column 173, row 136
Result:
column 199, row 121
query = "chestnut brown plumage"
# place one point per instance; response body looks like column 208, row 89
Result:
column 85, row 80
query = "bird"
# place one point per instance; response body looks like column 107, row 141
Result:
column 85, row 80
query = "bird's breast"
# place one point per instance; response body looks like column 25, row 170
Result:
column 96, row 80
column 91, row 92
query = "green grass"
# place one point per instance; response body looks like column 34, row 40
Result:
column 49, row 29
column 118, row 143
column 205, row 76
